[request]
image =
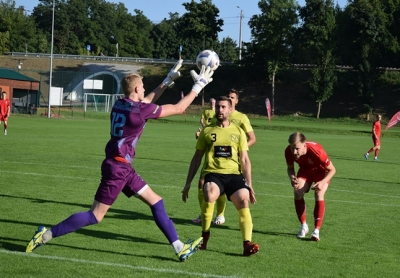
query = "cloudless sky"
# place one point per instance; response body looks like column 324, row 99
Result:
column 157, row 10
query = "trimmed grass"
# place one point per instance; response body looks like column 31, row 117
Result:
column 50, row 169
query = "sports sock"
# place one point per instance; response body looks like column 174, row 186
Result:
column 221, row 204
column 163, row 222
column 245, row 224
column 73, row 223
column 319, row 212
column 177, row 245
column 207, row 210
column 300, row 206
column 370, row 150
column 200, row 196
column 377, row 153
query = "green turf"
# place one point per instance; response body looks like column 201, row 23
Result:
column 50, row 168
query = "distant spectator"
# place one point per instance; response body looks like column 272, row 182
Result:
column 5, row 110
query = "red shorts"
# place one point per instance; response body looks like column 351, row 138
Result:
column 3, row 117
column 311, row 176
column 377, row 142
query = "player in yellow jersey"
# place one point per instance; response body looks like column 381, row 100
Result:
column 227, row 170
column 208, row 114
column 243, row 121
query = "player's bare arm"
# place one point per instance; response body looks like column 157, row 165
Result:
column 193, row 168
column 322, row 183
column 251, row 138
column 246, row 169
column 292, row 175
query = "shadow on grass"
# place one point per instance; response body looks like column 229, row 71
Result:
column 8, row 244
column 361, row 158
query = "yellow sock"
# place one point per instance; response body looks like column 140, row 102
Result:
column 200, row 196
column 245, row 224
column 207, row 210
column 221, row 204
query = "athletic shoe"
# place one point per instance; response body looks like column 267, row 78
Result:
column 250, row 248
column 197, row 220
column 189, row 249
column 376, row 159
column 303, row 231
column 37, row 240
column 366, row 156
column 206, row 237
column 315, row 235
column 219, row 220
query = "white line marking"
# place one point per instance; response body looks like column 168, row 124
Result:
column 150, row 269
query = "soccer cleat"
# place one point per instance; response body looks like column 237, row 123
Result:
column 189, row 249
column 197, row 220
column 315, row 235
column 376, row 159
column 37, row 240
column 250, row 248
column 366, row 156
column 303, row 231
column 219, row 220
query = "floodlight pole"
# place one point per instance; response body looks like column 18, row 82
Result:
column 51, row 62
column 240, row 34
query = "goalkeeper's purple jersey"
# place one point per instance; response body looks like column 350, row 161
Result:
column 128, row 119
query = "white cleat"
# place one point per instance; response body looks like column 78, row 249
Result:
column 315, row 235
column 303, row 231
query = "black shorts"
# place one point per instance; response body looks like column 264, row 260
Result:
column 227, row 183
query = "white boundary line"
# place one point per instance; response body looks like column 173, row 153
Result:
column 150, row 269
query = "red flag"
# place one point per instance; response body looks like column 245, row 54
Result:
column 393, row 121
column 268, row 106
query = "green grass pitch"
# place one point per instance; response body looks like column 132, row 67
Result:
column 50, row 168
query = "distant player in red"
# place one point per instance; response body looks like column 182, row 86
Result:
column 5, row 110
column 314, row 167
column 376, row 138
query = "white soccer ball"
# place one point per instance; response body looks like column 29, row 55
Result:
column 208, row 58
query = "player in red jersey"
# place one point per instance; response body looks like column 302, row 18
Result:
column 5, row 110
column 314, row 167
column 376, row 138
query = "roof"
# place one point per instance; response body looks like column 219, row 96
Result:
column 12, row 74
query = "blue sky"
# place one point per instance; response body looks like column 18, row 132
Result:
column 157, row 10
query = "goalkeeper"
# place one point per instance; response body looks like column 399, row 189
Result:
column 128, row 119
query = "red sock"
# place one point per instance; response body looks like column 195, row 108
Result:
column 300, row 206
column 377, row 152
column 370, row 150
column 319, row 212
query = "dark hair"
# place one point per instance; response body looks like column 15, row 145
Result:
column 225, row 98
column 232, row 91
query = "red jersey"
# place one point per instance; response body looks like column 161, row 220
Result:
column 376, row 127
column 315, row 159
column 4, row 104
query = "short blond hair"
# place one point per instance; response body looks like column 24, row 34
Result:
column 129, row 82
column 296, row 137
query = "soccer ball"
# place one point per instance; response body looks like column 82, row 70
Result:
column 208, row 58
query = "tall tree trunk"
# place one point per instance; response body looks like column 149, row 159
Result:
column 319, row 109
column 273, row 93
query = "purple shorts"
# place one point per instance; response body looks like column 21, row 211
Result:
column 116, row 177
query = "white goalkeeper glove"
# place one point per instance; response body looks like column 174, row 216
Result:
column 173, row 74
column 202, row 79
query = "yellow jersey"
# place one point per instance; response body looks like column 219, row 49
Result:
column 222, row 147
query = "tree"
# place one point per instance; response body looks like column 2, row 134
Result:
column 316, row 34
column 273, row 31
column 199, row 27
column 370, row 39
column 165, row 37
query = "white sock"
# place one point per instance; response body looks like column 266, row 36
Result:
column 47, row 236
column 178, row 246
